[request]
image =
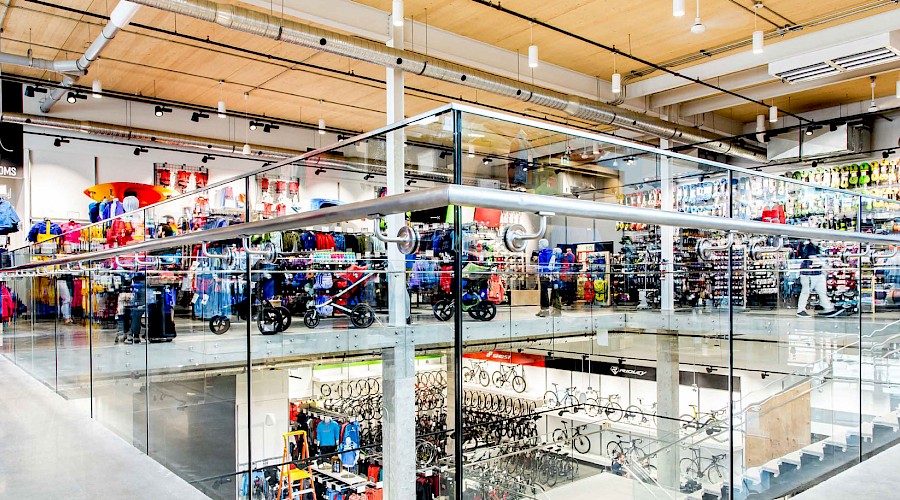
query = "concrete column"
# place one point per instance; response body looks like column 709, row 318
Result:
column 667, row 404
column 667, row 233
column 399, row 373
column 399, row 420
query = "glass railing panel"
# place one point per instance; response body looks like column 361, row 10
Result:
column 119, row 349
column 73, row 337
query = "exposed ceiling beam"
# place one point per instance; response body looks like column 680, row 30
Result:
column 734, row 81
column 374, row 24
column 854, row 30
column 779, row 89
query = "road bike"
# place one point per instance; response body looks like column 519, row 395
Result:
column 708, row 421
column 514, row 375
column 693, row 469
column 629, row 448
column 477, row 372
column 612, row 410
column 555, row 398
column 580, row 442
column 640, row 414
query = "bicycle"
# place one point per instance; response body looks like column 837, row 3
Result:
column 552, row 398
column 612, row 410
column 705, row 420
column 692, row 467
column 630, row 449
column 514, row 375
column 580, row 442
column 644, row 413
column 477, row 372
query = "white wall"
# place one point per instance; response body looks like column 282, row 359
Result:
column 270, row 396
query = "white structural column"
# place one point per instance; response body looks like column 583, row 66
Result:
column 399, row 372
column 668, row 426
column 667, row 233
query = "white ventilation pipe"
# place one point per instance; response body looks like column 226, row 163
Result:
column 27, row 61
column 261, row 24
column 118, row 19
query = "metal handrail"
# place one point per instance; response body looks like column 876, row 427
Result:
column 469, row 196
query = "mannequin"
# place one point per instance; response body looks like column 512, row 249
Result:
column 65, row 301
column 522, row 153
column 327, row 435
column 349, row 454
column 548, row 260
column 567, row 274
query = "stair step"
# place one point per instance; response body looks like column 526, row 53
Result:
column 771, row 467
column 793, row 458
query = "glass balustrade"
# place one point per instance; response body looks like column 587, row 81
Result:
column 533, row 310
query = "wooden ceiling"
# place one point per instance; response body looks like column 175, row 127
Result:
column 177, row 64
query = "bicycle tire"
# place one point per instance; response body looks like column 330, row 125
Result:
column 582, row 444
column 687, row 421
column 715, row 473
column 497, row 379
column 552, row 474
column 325, row 390
column 483, row 378
column 614, row 411
column 285, row 319
column 592, row 407
column 443, row 310
column 311, row 318
column 518, row 384
column 219, row 324
column 613, row 448
column 269, row 320
column 559, row 435
column 467, row 374
column 688, row 468
column 551, row 400
column 632, row 413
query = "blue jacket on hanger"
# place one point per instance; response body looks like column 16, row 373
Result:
column 41, row 228
column 9, row 219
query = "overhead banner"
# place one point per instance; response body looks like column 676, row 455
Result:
column 515, row 358
column 637, row 372
column 12, row 157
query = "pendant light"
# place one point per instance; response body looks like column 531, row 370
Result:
column 698, row 26
column 898, row 89
column 97, row 89
column 616, row 81
column 321, row 126
column 758, row 35
column 873, row 108
column 773, row 113
column 221, row 107
column 246, row 149
column 471, row 151
column 397, row 13
column 678, row 8
column 532, row 51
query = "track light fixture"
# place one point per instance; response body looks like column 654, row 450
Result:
column 486, row 161
column 710, row 369
column 73, row 97
column 410, row 182
column 319, row 171
column 887, row 154
column 30, row 90
column 254, row 125
column 161, row 110
column 763, row 375
column 139, row 150
column 445, row 154
column 341, row 137
column 368, row 176
column 269, row 127
column 197, row 115
column 60, row 141
column 207, row 158
column 815, row 164
column 809, row 130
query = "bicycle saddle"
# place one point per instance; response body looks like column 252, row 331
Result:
column 693, row 406
column 720, row 457
column 636, row 440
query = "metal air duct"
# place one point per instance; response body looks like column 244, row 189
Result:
column 118, row 19
column 258, row 23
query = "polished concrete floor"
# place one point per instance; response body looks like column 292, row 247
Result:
column 52, row 451
column 874, row 478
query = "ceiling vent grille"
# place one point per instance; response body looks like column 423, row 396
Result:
column 871, row 51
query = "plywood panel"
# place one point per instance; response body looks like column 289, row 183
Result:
column 781, row 426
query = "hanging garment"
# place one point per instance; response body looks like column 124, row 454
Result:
column 40, row 231
column 71, row 232
column 9, row 219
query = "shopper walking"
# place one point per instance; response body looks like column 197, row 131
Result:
column 812, row 278
column 548, row 269
column 65, row 300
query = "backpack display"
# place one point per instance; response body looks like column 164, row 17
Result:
column 496, row 291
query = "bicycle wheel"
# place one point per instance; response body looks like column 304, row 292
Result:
column 715, row 473
column 688, row 468
column 483, row 378
column 716, row 430
column 325, row 390
column 613, row 448
column 582, row 444
column 468, row 374
column 497, row 379
column 613, row 411
column 687, row 421
column 572, row 466
column 219, row 324
column 443, row 309
column 489, row 311
column 632, row 414
column 551, row 400
column 552, row 473
column 592, row 406
column 559, row 435
column 518, row 384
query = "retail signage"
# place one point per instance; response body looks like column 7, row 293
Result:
column 700, row 379
column 11, row 136
column 515, row 358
